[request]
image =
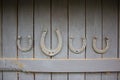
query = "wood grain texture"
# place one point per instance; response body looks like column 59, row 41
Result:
column 0, row 35
column 77, row 26
column 119, row 34
column 59, row 21
column 93, row 26
column 9, row 29
column 60, row 65
column 0, row 29
column 110, row 30
column 42, row 22
column 25, row 28
column 77, row 30
column 93, row 29
column 86, row 18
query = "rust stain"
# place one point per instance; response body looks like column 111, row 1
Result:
column 20, row 65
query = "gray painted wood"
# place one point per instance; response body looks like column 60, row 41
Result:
column 77, row 26
column 77, row 30
column 59, row 15
column 42, row 22
column 0, row 29
column 110, row 31
column 93, row 26
column 61, row 65
column 59, row 21
column 119, row 36
column 0, row 35
column 9, row 29
column 25, row 28
column 93, row 29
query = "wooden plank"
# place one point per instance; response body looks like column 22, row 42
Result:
column 61, row 65
column 110, row 30
column 25, row 28
column 119, row 34
column 59, row 21
column 93, row 29
column 0, row 35
column 0, row 29
column 77, row 30
column 9, row 29
column 93, row 26
column 42, row 22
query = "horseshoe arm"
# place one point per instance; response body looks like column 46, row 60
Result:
column 24, row 49
column 56, row 50
column 77, row 50
column 50, row 52
column 100, row 51
column 42, row 43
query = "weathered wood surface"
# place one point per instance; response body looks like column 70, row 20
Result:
column 41, row 23
column 9, row 33
column 77, row 18
column 119, row 34
column 77, row 31
column 110, row 28
column 93, row 29
column 0, row 35
column 37, row 65
column 59, row 21
column 25, row 28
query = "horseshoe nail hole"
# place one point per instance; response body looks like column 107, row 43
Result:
column 71, row 37
column 44, row 31
column 76, row 51
column 106, row 38
column 95, row 37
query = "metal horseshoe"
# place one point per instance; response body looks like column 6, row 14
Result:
column 24, row 49
column 50, row 52
column 77, row 50
column 102, row 51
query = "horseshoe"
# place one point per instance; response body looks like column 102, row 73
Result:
column 77, row 50
column 102, row 51
column 24, row 49
column 51, row 52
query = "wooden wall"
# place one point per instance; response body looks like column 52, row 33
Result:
column 77, row 18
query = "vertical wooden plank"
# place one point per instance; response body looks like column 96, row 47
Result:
column 25, row 28
column 119, row 34
column 0, row 35
column 77, row 30
column 42, row 22
column 93, row 28
column 9, row 29
column 59, row 21
column 110, row 30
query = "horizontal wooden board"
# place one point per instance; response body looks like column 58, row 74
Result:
column 60, row 65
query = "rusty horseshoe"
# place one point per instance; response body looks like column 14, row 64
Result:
column 100, row 51
column 77, row 50
column 51, row 52
column 24, row 49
